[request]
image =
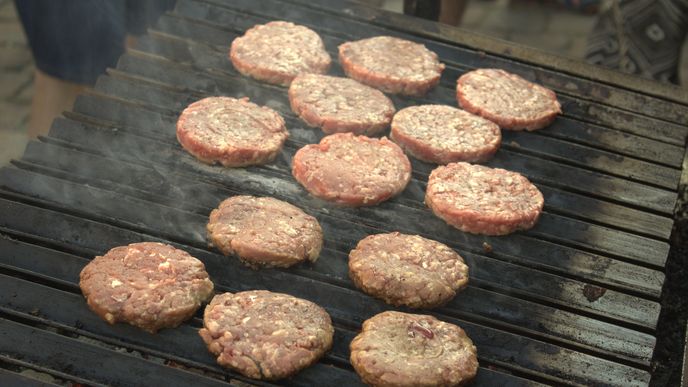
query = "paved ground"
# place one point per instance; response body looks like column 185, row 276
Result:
column 528, row 22
column 16, row 78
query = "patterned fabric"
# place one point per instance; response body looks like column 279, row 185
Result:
column 642, row 37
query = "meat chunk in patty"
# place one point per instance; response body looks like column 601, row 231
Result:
column 443, row 134
column 265, row 232
column 391, row 64
column 266, row 335
column 401, row 349
column 149, row 285
column 232, row 132
column 507, row 99
column 337, row 104
column 352, row 170
column 483, row 200
column 278, row 51
column 407, row 270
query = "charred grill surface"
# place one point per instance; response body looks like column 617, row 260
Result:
column 575, row 300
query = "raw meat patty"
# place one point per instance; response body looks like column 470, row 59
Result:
column 482, row 200
column 233, row 132
column 443, row 134
column 352, row 170
column 148, row 285
column 391, row 64
column 266, row 335
column 507, row 99
column 401, row 349
column 265, row 232
column 337, row 104
column 407, row 270
column 278, row 51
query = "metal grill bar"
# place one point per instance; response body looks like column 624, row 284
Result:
column 497, row 346
column 572, row 301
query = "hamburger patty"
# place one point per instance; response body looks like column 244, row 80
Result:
column 233, row 132
column 482, row 200
column 278, row 51
column 401, row 349
column 265, row 232
column 337, row 104
column 391, row 64
column 443, row 134
column 265, row 335
column 148, row 285
column 507, row 99
column 352, row 170
column 407, row 270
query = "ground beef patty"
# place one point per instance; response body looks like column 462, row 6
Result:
column 401, row 349
column 265, row 232
column 507, row 99
column 233, row 132
column 266, row 335
column 278, row 51
column 443, row 134
column 483, row 200
column 337, row 104
column 391, row 64
column 352, row 170
column 407, row 270
column 148, row 285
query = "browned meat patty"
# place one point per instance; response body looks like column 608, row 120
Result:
column 507, row 99
column 443, row 134
column 148, row 285
column 266, row 335
column 232, row 132
column 337, row 104
column 482, row 200
column 352, row 170
column 265, row 232
column 407, row 270
column 391, row 64
column 401, row 349
column 278, row 51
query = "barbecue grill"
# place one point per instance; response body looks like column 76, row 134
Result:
column 572, row 301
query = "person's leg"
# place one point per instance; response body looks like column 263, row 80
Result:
column 51, row 96
column 451, row 11
column 444, row 11
column 73, row 42
column 426, row 9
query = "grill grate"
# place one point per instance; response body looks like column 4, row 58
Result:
column 572, row 301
